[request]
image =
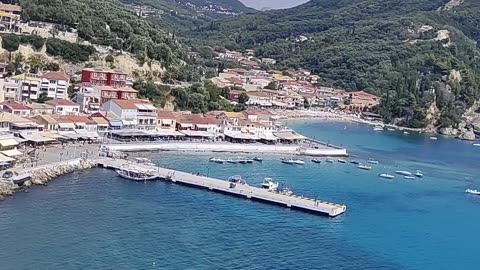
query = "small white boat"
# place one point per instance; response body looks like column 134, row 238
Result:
column 409, row 177
column 364, row 167
column 287, row 191
column 298, row 162
column 258, row 159
column 391, row 129
column 135, row 175
column 269, row 184
column 476, row 144
column 386, row 175
column 341, row 160
column 372, row 161
column 249, row 161
column 378, row 128
column 316, row 160
column 288, row 161
column 217, row 160
column 406, row 133
column 419, row 174
column 237, row 179
column 472, row 191
column 433, row 138
column 232, row 161
column 404, row 173
column 329, row 160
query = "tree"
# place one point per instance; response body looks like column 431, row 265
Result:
column 306, row 103
column 109, row 58
column 43, row 97
column 271, row 86
column 52, row 66
column 243, row 98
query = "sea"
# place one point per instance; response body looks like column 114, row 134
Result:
column 95, row 220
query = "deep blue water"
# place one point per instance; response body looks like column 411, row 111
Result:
column 95, row 220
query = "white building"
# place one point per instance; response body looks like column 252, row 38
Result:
column 55, row 84
column 133, row 113
column 64, row 107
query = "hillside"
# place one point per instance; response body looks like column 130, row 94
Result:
column 419, row 55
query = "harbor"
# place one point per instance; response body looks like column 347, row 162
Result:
column 226, row 187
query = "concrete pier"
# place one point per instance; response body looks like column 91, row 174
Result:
column 245, row 191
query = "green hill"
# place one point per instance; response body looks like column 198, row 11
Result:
column 413, row 53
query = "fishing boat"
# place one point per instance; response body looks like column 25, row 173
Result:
column 433, row 138
column 364, row 167
column 135, row 175
column 419, row 174
column 329, row 160
column 355, row 162
column 269, row 184
column 258, row 159
column 404, row 173
column 372, row 161
column 316, row 160
column 341, row 160
column 386, row 175
column 472, row 191
column 409, row 177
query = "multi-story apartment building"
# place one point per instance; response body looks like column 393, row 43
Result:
column 55, row 84
column 102, row 77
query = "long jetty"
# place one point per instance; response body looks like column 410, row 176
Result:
column 222, row 186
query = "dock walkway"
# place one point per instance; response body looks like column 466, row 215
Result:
column 245, row 191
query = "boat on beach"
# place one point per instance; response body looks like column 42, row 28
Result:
column 404, row 173
column 386, row 175
column 136, row 175
column 341, row 160
column 472, row 191
column 269, row 184
column 316, row 160
column 364, row 167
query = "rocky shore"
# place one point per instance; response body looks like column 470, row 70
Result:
column 44, row 175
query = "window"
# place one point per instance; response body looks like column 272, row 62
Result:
column 53, row 82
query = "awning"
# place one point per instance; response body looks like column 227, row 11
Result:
column 268, row 136
column 195, row 133
column 66, row 125
column 11, row 153
column 8, row 142
column 241, row 135
column 129, row 122
column 32, row 137
column 289, row 136
column 5, row 158
column 168, row 132
column 52, row 135
column 116, row 123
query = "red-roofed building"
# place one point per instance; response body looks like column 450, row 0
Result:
column 55, row 84
column 362, row 101
column 134, row 113
column 64, row 106
column 91, row 97
column 15, row 108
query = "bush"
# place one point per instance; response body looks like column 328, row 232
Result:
column 109, row 58
column 10, row 42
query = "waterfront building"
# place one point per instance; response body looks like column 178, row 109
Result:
column 166, row 124
column 134, row 113
column 91, row 97
column 64, row 106
column 40, row 109
column 15, row 108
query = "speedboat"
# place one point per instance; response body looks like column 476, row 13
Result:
column 136, row 175
column 329, row 160
column 269, row 184
column 406, row 133
column 386, row 175
column 433, row 138
column 409, row 177
column 364, row 167
column 258, row 159
column 298, row 162
column 316, row 160
column 404, row 173
column 372, row 161
column 342, row 160
column 472, row 191
column 419, row 174
column 355, row 162
column 288, row 161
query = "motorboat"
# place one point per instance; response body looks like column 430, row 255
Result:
column 378, row 128
column 406, row 133
column 249, row 161
column 390, row 129
column 286, row 191
column 298, row 162
column 258, row 159
column 316, row 160
column 329, row 160
column 217, row 160
column 232, row 161
column 269, row 184
column 433, row 138
column 237, row 179
column 372, row 161
column 136, row 175
column 419, row 174
column 288, row 161
column 409, row 177
column 472, row 191
column 476, row 144
column 355, row 162
column 364, row 167
column 341, row 160
column 143, row 160
column 242, row 161
column 404, row 173
column 386, row 175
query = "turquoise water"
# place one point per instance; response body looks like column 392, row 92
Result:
column 95, row 220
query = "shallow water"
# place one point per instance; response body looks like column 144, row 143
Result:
column 95, row 220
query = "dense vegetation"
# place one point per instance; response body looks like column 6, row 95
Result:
column 413, row 54
column 106, row 22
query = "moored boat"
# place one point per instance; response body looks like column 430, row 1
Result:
column 386, row 175
column 136, row 175
column 355, row 162
column 237, row 179
column 433, row 138
column 269, row 184
column 476, row 144
column 288, row 161
column 409, row 177
column 404, row 173
column 316, row 160
column 364, row 167
column 232, row 161
column 298, row 162
column 472, row 191
column 378, row 128
column 406, row 133
column 258, row 159
column 329, row 160
column 372, row 161
column 249, row 161
column 217, row 160
column 341, row 160
column 419, row 174
column 391, row 129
